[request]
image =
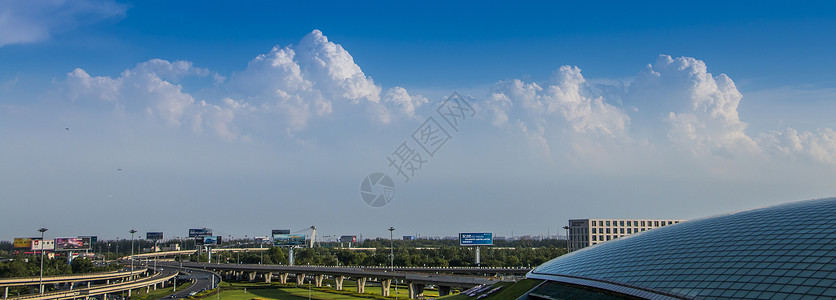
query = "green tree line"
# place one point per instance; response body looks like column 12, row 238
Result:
column 413, row 253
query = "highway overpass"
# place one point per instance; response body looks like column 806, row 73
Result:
column 114, row 282
column 69, row 280
column 415, row 281
column 149, row 282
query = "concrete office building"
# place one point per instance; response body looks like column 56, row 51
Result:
column 587, row 232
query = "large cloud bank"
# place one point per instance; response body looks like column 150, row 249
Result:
column 674, row 104
column 293, row 84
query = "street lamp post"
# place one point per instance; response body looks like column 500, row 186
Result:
column 567, row 238
column 132, row 253
column 180, row 246
column 41, row 277
column 391, row 249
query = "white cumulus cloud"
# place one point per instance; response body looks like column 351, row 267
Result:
column 149, row 88
column 333, row 68
column 700, row 109
column 397, row 100
column 819, row 146
column 291, row 85
column 564, row 108
column 674, row 103
column 311, row 79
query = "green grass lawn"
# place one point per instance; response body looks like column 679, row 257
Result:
column 159, row 293
column 282, row 293
column 236, row 290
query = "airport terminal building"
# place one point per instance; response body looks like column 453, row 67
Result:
column 587, row 232
column 786, row 251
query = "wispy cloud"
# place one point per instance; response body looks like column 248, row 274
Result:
column 24, row 21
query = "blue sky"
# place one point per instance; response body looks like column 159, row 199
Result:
column 259, row 116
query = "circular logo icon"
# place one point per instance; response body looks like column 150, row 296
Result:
column 377, row 189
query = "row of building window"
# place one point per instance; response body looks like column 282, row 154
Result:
column 618, row 230
column 601, row 238
column 633, row 223
column 597, row 238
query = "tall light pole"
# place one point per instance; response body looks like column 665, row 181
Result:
column 41, row 277
column 567, row 238
column 391, row 249
column 132, row 253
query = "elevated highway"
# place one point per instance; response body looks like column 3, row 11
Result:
column 148, row 283
column 69, row 280
column 444, row 278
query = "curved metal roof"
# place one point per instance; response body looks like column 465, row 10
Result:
column 777, row 252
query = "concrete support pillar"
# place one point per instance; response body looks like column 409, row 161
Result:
column 147, row 289
column 89, row 283
column 384, row 287
column 268, row 277
column 6, row 293
column 71, row 284
column 252, row 276
column 415, row 290
column 318, row 279
column 300, row 279
column 107, row 282
column 283, row 278
column 129, row 293
column 361, row 285
column 443, row 290
column 155, row 286
column 162, row 285
column 337, row 279
column 238, row 275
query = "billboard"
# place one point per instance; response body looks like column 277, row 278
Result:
column 281, row 231
column 409, row 237
column 154, row 236
column 37, row 244
column 475, row 238
column 72, row 244
column 24, row 242
column 200, row 232
column 348, row 239
column 288, row 239
column 93, row 238
column 211, row 240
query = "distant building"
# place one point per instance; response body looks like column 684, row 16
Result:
column 786, row 251
column 172, row 247
column 588, row 232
